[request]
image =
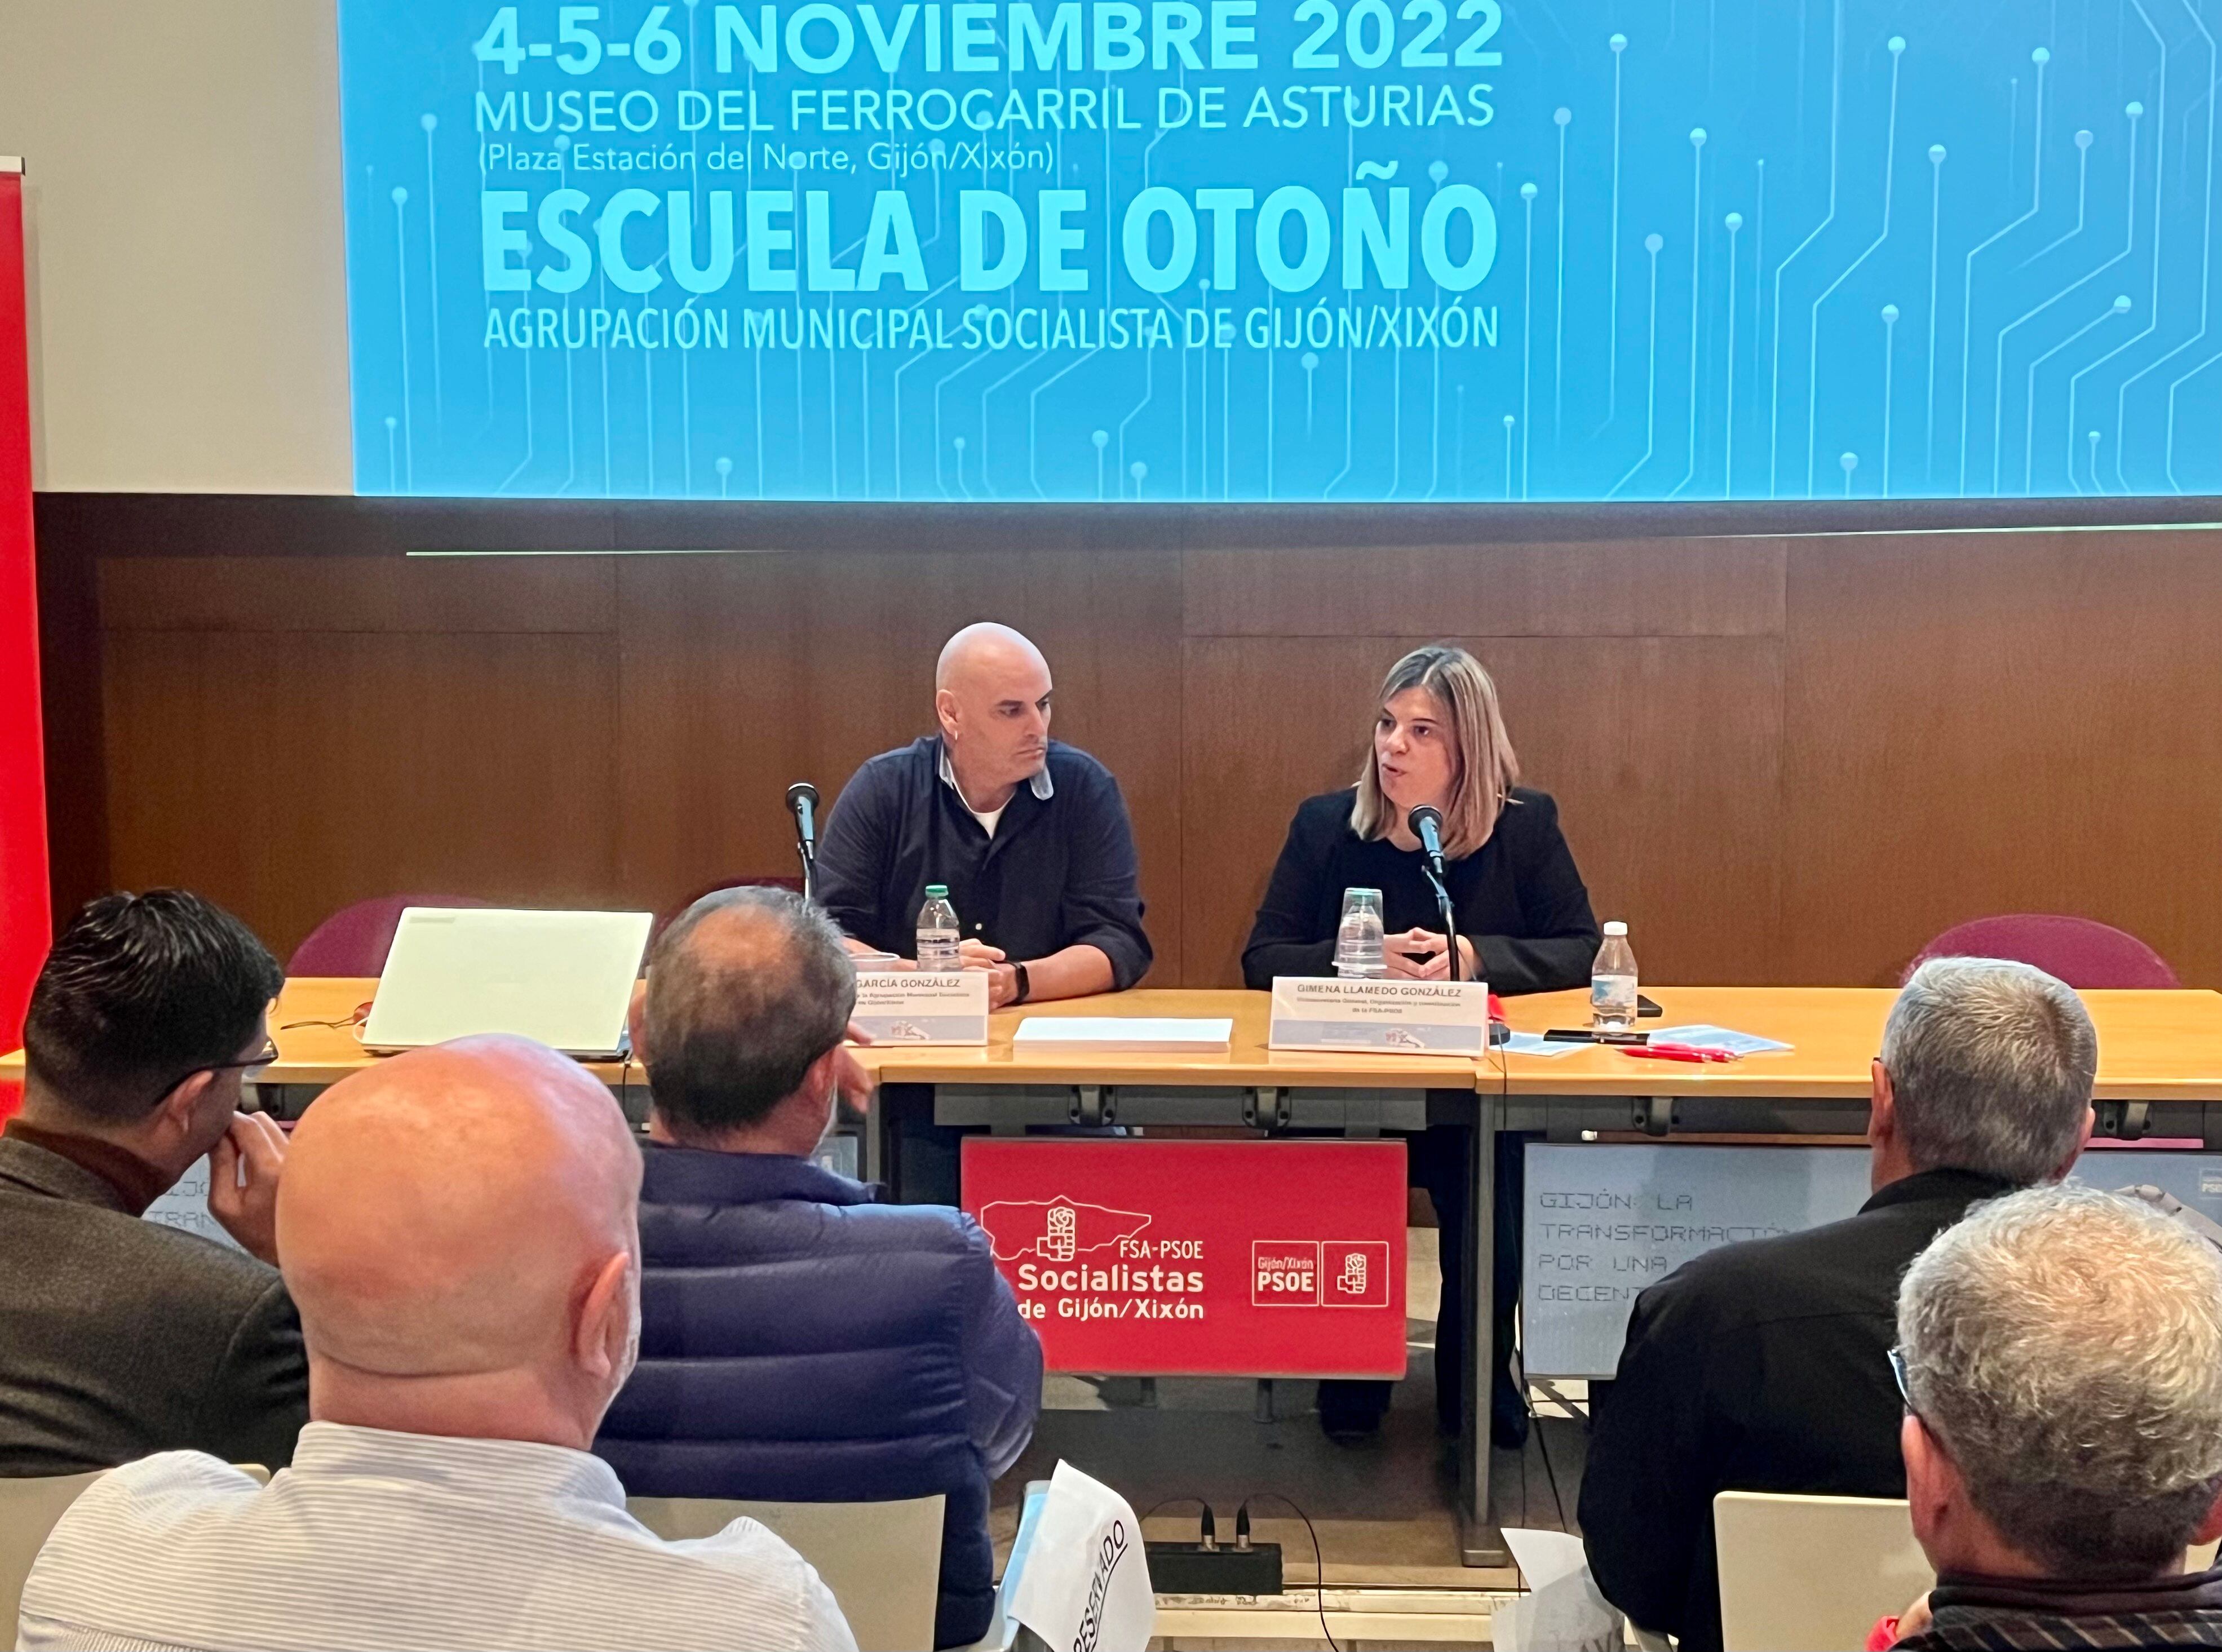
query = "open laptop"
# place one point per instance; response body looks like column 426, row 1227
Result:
column 565, row 978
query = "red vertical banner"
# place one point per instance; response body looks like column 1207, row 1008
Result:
column 26, row 913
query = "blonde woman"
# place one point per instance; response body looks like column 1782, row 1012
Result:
column 1523, row 916
column 1524, row 925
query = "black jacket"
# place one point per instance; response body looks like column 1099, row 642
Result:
column 1060, row 871
column 1970, row 1614
column 1518, row 898
column 120, row 1337
column 1761, row 1367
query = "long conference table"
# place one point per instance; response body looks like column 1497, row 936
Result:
column 2160, row 1077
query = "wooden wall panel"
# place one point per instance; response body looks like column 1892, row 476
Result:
column 359, row 593
column 1661, row 753
column 741, row 674
column 1677, row 587
column 1779, row 758
column 1992, row 724
column 284, row 775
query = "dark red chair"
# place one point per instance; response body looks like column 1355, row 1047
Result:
column 2087, row 955
column 355, row 939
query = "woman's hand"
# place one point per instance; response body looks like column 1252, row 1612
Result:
column 1420, row 955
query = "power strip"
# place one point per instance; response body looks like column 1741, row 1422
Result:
column 1196, row 1569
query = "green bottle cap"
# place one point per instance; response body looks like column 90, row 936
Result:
column 937, row 891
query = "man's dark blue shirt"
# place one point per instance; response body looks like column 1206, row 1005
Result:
column 1059, row 871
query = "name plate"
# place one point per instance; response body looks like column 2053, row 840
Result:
column 1387, row 1017
column 909, row 1006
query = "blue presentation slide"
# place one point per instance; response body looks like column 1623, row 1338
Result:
column 1344, row 250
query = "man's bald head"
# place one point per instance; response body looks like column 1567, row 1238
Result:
column 450, row 1215
column 988, row 651
column 992, row 696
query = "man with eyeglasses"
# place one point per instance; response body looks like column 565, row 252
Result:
column 1764, row 1366
column 124, row 1336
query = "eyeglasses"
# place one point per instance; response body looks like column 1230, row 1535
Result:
column 253, row 1065
column 1904, row 1383
column 262, row 1058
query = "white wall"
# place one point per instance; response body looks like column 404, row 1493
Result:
column 187, row 284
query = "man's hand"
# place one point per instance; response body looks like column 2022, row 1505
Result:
column 1002, row 978
column 243, row 1171
column 853, row 1082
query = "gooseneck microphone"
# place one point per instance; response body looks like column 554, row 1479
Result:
column 1426, row 823
column 802, row 802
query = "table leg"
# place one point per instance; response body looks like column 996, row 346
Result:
column 1480, row 1542
column 872, row 1147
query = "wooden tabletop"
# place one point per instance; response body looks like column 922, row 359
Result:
column 2152, row 1046
column 1246, row 1062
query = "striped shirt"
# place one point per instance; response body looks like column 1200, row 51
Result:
column 375, row 1539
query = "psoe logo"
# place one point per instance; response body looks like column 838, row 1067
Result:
column 1056, row 1230
column 1285, row 1273
column 1355, row 1273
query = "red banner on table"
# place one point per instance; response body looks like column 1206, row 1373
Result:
column 1254, row 1258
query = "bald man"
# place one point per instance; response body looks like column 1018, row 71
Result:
column 458, row 1228
column 1030, row 836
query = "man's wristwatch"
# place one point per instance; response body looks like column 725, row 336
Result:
column 1025, row 986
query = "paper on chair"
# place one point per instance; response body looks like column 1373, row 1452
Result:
column 1562, row 1611
column 1172, row 1034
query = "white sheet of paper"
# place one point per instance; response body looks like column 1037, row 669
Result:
column 1706, row 1037
column 1544, row 1557
column 1535, row 1045
column 1087, row 1579
column 1125, row 1033
column 1563, row 1610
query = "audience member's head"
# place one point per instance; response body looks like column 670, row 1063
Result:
column 2062, row 1366
column 459, row 1226
column 749, row 995
column 145, row 1017
column 1986, row 1066
column 991, row 695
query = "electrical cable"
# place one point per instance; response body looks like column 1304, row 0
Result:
column 1318, row 1561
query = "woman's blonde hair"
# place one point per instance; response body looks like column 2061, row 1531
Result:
column 1487, row 770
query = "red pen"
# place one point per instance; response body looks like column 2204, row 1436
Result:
column 1695, row 1053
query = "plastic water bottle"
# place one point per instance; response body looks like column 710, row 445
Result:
column 937, row 932
column 1358, row 940
column 1612, row 982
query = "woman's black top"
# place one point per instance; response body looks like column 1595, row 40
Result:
column 1518, row 898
